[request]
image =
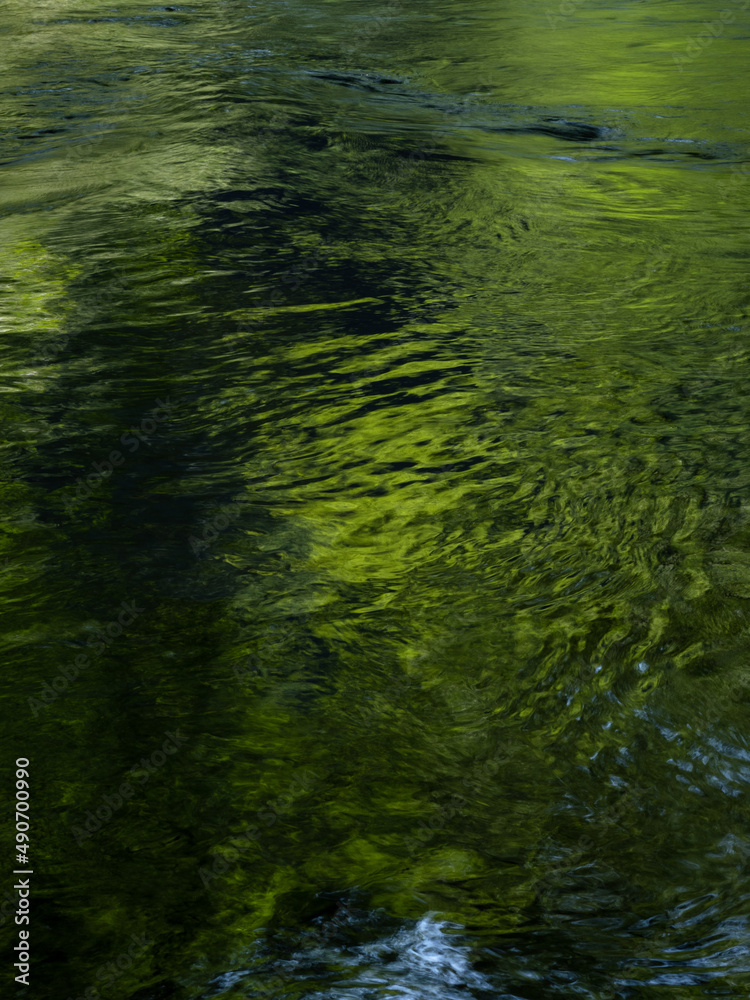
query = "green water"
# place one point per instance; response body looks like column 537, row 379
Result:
column 376, row 529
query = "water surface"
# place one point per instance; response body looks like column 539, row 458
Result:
column 376, row 527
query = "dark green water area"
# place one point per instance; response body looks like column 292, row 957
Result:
column 375, row 478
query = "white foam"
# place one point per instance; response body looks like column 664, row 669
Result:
column 422, row 962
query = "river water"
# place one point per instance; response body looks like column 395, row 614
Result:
column 376, row 540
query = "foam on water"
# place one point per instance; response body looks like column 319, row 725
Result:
column 422, row 961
